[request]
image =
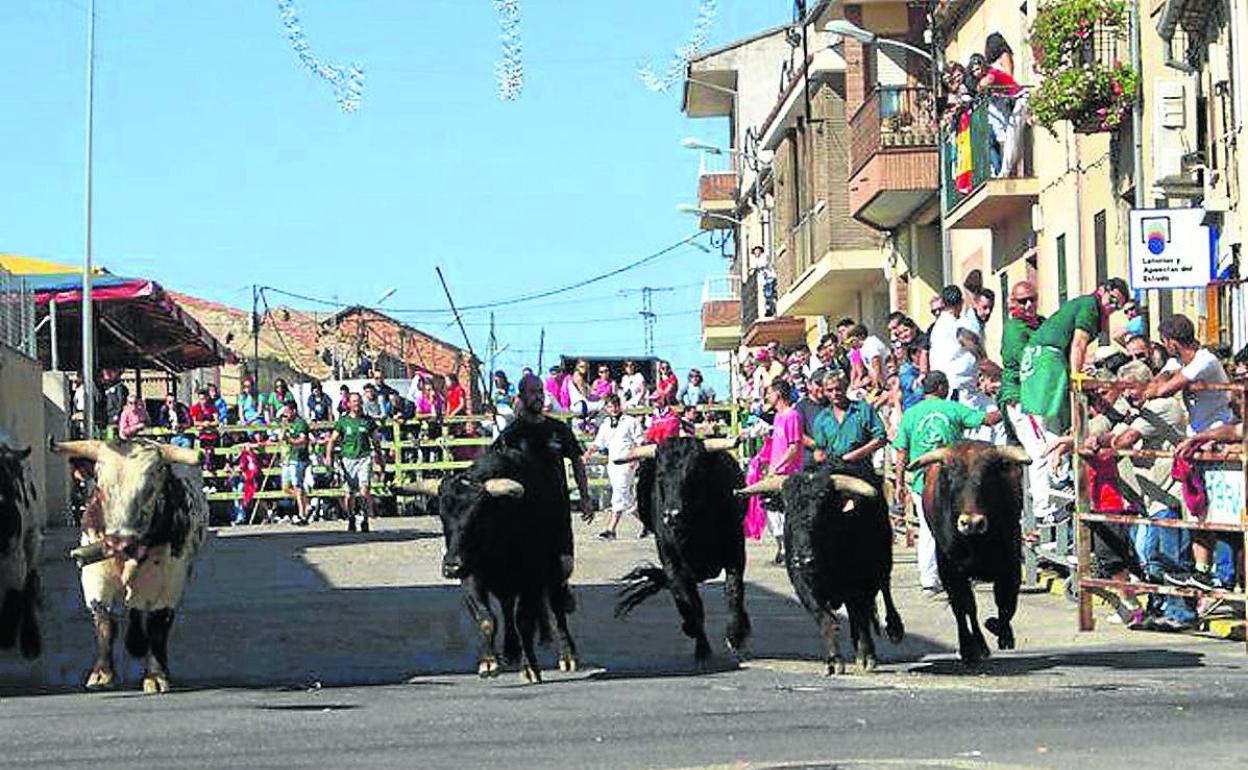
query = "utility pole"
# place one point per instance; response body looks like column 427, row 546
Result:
column 647, row 315
column 541, row 350
column 255, row 335
column 491, row 346
column 88, row 314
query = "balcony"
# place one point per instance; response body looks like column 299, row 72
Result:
column 758, row 326
column 719, row 180
column 721, row 313
column 978, row 193
column 818, row 275
column 894, row 162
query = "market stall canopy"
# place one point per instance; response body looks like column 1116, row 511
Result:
column 138, row 326
column 20, row 265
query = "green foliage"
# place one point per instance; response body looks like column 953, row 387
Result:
column 1094, row 95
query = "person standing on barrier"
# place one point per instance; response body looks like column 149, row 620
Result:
column 618, row 435
column 548, row 442
column 1058, row 350
column 293, row 438
column 1192, row 364
column 934, row 422
column 355, row 431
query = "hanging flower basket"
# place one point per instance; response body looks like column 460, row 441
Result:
column 1075, row 46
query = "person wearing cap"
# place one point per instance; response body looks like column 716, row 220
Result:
column 293, row 447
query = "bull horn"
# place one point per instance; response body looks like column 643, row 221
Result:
column 87, row 450
column 929, row 458
column 181, row 455
column 504, row 488
column 768, row 485
column 719, row 444
column 853, row 485
column 643, row 452
column 1014, row 454
column 419, row 487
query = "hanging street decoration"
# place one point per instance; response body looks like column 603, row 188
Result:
column 661, row 83
column 347, row 82
column 509, row 69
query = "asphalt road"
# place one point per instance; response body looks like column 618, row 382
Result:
column 1090, row 709
column 311, row 647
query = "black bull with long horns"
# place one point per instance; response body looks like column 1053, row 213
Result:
column 838, row 552
column 502, row 541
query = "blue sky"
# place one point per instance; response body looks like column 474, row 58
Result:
column 221, row 162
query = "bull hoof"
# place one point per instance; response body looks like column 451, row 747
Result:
column 974, row 654
column 100, row 680
column 488, row 668
column 567, row 662
column 895, row 630
column 836, row 667
column 531, row 675
column 1003, row 632
column 867, row 664
column 155, row 685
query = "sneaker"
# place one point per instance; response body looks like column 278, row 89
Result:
column 364, row 525
column 1170, row 626
column 1205, row 581
column 1176, row 577
column 642, row 535
column 778, row 558
column 606, row 534
column 934, row 593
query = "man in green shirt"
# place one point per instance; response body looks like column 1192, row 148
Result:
column 293, row 443
column 849, row 431
column 932, row 423
column 1026, row 430
column 355, row 431
column 1057, row 350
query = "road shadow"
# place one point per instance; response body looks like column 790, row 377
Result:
column 1014, row 664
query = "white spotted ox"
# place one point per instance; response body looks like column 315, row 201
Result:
column 19, row 551
column 140, row 535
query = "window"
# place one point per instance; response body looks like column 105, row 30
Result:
column 1062, row 291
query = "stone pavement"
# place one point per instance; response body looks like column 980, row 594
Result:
column 281, row 606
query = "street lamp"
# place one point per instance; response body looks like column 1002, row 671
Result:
column 846, row 28
column 697, row 144
column 689, row 208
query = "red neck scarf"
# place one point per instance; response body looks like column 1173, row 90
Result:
column 1031, row 319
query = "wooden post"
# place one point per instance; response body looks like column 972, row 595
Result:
column 1083, row 543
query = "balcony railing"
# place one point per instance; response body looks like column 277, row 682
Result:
column 721, row 288
column 970, row 151
column 891, row 116
column 806, row 244
column 751, row 298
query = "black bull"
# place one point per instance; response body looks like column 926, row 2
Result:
column 687, row 498
column 972, row 501
column 838, row 547
column 502, row 541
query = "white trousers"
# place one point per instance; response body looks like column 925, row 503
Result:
column 1036, row 440
column 623, row 480
column 775, row 522
column 929, row 575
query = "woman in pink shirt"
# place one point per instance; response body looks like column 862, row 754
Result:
column 786, row 450
column 603, row 386
column 133, row 418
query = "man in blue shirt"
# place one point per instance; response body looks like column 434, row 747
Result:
column 849, row 431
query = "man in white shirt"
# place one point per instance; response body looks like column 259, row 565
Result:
column 873, row 351
column 618, row 435
column 1192, row 364
column 947, row 354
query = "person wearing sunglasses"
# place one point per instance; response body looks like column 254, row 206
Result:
column 1058, row 350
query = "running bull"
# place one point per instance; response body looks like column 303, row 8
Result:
column 972, row 499
column 140, row 534
column 838, row 550
column 697, row 522
column 19, row 551
column 501, row 542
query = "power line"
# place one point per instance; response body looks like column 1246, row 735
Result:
column 514, row 300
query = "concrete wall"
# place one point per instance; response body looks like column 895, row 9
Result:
column 21, row 410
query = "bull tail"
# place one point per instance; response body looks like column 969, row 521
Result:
column 644, row 581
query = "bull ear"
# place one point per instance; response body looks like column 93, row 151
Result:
column 427, row 487
column 719, row 444
column 504, row 488
column 181, row 455
column 929, row 458
column 768, row 485
column 86, row 450
column 853, row 485
column 1015, row 455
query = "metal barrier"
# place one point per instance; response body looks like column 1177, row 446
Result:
column 1085, row 515
column 414, row 452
